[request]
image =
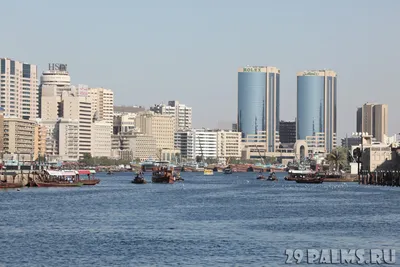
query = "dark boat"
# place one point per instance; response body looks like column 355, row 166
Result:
column 260, row 177
column 139, row 179
column 109, row 173
column 162, row 175
column 310, row 180
column 4, row 185
column 250, row 169
column 228, row 170
column 272, row 177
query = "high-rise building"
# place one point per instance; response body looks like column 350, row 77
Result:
column 18, row 89
column 287, row 132
column 181, row 113
column 102, row 104
column 316, row 109
column 373, row 119
column 258, row 103
column 101, row 139
column 19, row 136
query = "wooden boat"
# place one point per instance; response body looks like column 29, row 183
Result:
column 59, row 184
column 59, row 179
column 260, row 177
column 272, row 177
column 310, row 180
column 208, row 172
column 162, row 174
column 4, row 185
column 90, row 177
column 139, row 180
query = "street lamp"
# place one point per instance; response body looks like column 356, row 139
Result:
column 357, row 153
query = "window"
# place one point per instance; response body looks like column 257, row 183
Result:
column 3, row 66
column 26, row 70
column 12, row 67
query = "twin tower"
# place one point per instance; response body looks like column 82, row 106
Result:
column 259, row 105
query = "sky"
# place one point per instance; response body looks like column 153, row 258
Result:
column 153, row 51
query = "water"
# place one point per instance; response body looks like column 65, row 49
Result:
column 220, row 220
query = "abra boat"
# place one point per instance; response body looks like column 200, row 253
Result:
column 310, row 180
column 260, row 177
column 163, row 175
column 228, row 170
column 58, row 179
column 90, row 177
column 59, row 184
column 272, row 177
column 208, row 172
column 139, row 179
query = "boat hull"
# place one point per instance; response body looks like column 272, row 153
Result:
column 90, row 182
column 309, row 181
column 162, row 180
column 10, row 185
column 52, row 184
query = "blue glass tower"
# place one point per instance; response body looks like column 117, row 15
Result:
column 258, row 102
column 316, row 109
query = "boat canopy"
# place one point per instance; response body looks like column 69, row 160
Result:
column 92, row 171
column 84, row 172
column 61, row 173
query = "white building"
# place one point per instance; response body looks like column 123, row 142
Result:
column 229, row 144
column 68, row 139
column 102, row 104
column 181, row 112
column 18, row 89
column 101, row 139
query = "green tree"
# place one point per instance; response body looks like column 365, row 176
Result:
column 337, row 158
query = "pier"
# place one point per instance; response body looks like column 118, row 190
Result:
column 380, row 177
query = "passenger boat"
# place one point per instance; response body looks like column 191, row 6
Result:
column 4, row 185
column 90, row 177
column 208, row 172
column 293, row 175
column 310, row 180
column 260, row 177
column 163, row 174
column 58, row 179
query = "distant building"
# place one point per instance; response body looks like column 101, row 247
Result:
column 234, row 127
column 102, row 104
column 128, row 109
column 258, row 103
column 19, row 89
column 101, row 139
column 373, row 119
column 19, row 136
column 316, row 110
column 287, row 132
column 181, row 113
column 348, row 142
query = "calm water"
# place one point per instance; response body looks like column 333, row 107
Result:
column 220, row 220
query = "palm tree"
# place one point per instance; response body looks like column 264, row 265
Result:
column 337, row 157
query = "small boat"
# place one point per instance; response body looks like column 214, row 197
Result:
column 228, row 170
column 109, row 173
column 260, row 177
column 272, row 177
column 139, row 180
column 4, row 185
column 310, row 180
column 208, row 172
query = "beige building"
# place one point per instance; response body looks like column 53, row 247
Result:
column 19, row 136
column 131, row 145
column 181, row 113
column 229, row 144
column 101, row 139
column 161, row 127
column 374, row 120
column 40, row 140
column 1, row 131
column 18, row 89
column 68, row 139
column 102, row 104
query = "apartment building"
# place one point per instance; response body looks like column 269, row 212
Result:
column 19, row 136
column 181, row 113
column 132, row 145
column 102, row 104
column 18, row 89
column 229, row 144
column 372, row 118
column 101, row 139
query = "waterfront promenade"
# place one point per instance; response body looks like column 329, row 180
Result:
column 218, row 220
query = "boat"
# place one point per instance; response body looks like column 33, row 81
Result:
column 272, row 177
column 260, row 177
column 58, row 179
column 90, row 177
column 293, row 175
column 110, row 173
column 139, row 179
column 4, row 185
column 163, row 174
column 250, row 169
column 228, row 170
column 208, row 172
column 310, row 180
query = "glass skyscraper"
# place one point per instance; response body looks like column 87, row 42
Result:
column 258, row 102
column 316, row 109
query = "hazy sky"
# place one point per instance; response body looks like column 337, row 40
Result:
column 156, row 50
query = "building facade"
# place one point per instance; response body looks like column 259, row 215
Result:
column 102, row 104
column 229, row 144
column 258, row 102
column 373, row 120
column 181, row 113
column 287, row 132
column 19, row 136
column 18, row 89
column 316, row 109
column 101, row 139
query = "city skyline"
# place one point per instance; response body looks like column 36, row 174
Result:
column 129, row 70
